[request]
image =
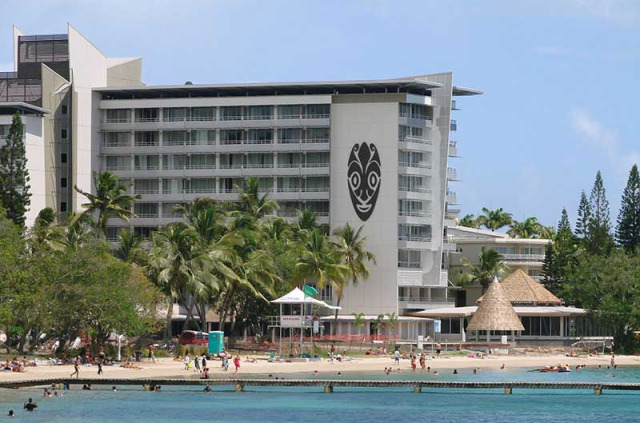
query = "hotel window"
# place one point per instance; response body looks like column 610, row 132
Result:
column 505, row 250
column 169, row 209
column 317, row 184
column 260, row 136
column 174, row 114
column 63, row 182
column 231, row 137
column 316, row 135
column 231, row 113
column 118, row 163
column 147, row 115
column 290, row 112
column 117, row 139
column 146, row 210
column 146, row 186
column 317, row 111
column 289, row 135
column 260, row 112
column 63, row 206
column 317, row 159
column 118, row 116
column 203, row 113
column 175, row 138
column 531, row 250
column 63, row 109
column 145, row 162
column 540, row 325
column 147, row 139
column 265, row 184
column 63, row 134
column 409, row 259
column 450, row 325
column 203, row 137
column 202, row 161
column 259, row 160
column 320, row 208
column 289, row 184
column 63, row 158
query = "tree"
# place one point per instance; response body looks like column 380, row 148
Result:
column 490, row 265
column 129, row 248
column 528, row 228
column 599, row 239
column 558, row 254
column 494, row 219
column 609, row 288
column 252, row 203
column 110, row 200
column 469, row 221
column 15, row 197
column 628, row 229
column 584, row 217
column 351, row 246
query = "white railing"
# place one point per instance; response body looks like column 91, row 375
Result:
column 523, row 257
column 288, row 190
column 258, row 117
column 420, row 165
column 318, row 189
column 417, row 140
column 288, row 165
column 147, row 215
column 315, row 140
column 146, row 191
column 413, row 213
column 297, row 116
column 316, row 116
column 313, row 165
column 257, row 142
column 413, row 238
column 230, row 117
column 200, row 191
column 229, row 191
column 116, row 168
column 144, row 120
column 413, row 189
column 174, row 119
column 232, row 166
column 148, row 167
column 258, row 165
column 108, row 144
column 200, row 166
column 118, row 120
column 230, row 142
column 409, row 265
column 426, row 300
column 155, row 143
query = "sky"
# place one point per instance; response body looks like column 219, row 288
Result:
column 560, row 77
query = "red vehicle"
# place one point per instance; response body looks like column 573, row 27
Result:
column 191, row 337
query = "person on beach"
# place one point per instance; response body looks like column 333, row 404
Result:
column 207, row 388
column 152, row 354
column 196, row 363
column 11, row 414
column 76, row 368
column 413, row 364
column 613, row 360
column 100, row 367
column 204, row 361
column 30, row 405
column 187, row 361
column 423, row 362
column 438, row 350
column 225, row 363
column 396, row 357
column 236, row 363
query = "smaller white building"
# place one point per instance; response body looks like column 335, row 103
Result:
column 33, row 121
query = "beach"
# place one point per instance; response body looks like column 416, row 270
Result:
column 169, row 368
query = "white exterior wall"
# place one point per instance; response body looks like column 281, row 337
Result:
column 375, row 123
column 35, row 151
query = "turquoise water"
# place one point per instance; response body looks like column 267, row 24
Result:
column 309, row 405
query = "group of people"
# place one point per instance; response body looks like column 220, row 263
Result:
column 199, row 364
column 17, row 364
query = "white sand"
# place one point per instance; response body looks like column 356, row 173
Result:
column 169, row 369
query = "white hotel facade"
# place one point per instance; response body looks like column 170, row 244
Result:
column 375, row 153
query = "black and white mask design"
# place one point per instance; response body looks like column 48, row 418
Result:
column 364, row 177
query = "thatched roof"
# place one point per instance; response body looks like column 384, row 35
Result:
column 520, row 288
column 495, row 312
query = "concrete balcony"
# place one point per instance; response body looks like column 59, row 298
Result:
column 409, row 277
column 415, row 218
column 523, row 258
column 414, row 243
column 452, row 174
column 453, row 149
column 451, row 198
column 414, row 144
column 423, row 169
column 421, row 303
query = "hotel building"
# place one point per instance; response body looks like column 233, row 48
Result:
column 372, row 152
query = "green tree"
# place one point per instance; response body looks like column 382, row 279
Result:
column 350, row 244
column 558, row 254
column 609, row 288
column 469, row 221
column 251, row 202
column 110, row 200
column 490, row 265
column 599, row 240
column 528, row 228
column 628, row 229
column 129, row 248
column 15, row 197
column 584, row 217
column 494, row 219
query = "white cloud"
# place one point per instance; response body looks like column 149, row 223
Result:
column 604, row 138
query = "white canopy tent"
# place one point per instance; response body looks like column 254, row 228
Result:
column 297, row 296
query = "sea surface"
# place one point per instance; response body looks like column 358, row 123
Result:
column 310, row 405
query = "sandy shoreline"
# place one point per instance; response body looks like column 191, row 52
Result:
column 175, row 369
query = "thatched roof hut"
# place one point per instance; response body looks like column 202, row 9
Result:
column 521, row 289
column 495, row 312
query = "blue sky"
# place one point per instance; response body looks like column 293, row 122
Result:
column 560, row 76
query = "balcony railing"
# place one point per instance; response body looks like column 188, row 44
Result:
column 417, row 140
column 409, row 265
column 200, row 166
column 414, row 238
column 315, row 140
column 257, row 142
column 155, row 143
column 148, row 167
column 118, row 120
column 316, row 189
column 523, row 257
column 420, row 165
column 413, row 189
column 113, row 144
column 145, row 120
column 146, row 191
column 289, row 165
column 258, row 165
column 314, row 165
column 426, row 300
column 413, row 213
column 117, row 167
column 147, row 215
column 258, row 117
column 231, row 166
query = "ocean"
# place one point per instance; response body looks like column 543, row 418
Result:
column 310, row 405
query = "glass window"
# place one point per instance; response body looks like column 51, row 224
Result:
column 450, row 325
column 63, row 158
column 260, row 136
column 63, row 182
column 260, row 112
column 147, row 139
column 231, row 113
column 117, row 139
column 289, row 135
column 203, row 137
column 290, row 112
column 118, row 115
column 409, row 259
column 174, row 114
column 63, row 206
column 147, row 115
column 317, row 111
column 203, row 113
column 505, row 250
column 63, row 109
column 146, row 186
column 317, row 184
column 231, row 136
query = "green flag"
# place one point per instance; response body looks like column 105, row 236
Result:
column 309, row 291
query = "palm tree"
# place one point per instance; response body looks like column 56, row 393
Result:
column 469, row 221
column 110, row 200
column 252, row 203
column 528, row 228
column 351, row 246
column 45, row 233
column 490, row 265
column 548, row 232
column 377, row 324
column 494, row 219
column 392, row 319
column 320, row 263
column 129, row 247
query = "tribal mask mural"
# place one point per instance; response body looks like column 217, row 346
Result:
column 364, row 176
